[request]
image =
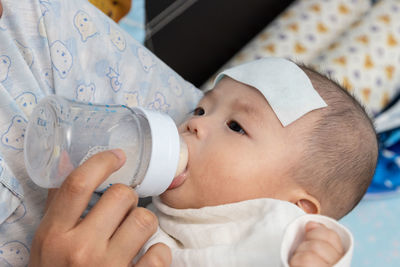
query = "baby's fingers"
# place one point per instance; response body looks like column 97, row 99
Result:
column 158, row 255
column 316, row 231
column 307, row 259
column 321, row 249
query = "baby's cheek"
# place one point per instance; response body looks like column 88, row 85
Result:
column 216, row 189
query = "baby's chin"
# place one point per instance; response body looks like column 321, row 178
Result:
column 182, row 198
column 172, row 198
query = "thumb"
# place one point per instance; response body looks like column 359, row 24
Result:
column 50, row 195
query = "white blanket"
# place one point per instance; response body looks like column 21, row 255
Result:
column 248, row 233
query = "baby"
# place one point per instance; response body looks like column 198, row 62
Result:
column 247, row 170
column 247, row 178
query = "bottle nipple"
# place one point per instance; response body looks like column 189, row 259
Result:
column 183, row 157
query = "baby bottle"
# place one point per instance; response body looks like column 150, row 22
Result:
column 62, row 134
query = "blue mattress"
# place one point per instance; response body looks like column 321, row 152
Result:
column 375, row 225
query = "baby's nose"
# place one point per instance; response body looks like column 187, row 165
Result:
column 191, row 127
column 196, row 125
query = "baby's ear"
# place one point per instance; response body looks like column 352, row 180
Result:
column 310, row 206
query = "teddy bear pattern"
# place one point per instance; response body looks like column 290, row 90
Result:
column 13, row 253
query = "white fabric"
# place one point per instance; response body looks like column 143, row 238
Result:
column 247, row 233
column 284, row 85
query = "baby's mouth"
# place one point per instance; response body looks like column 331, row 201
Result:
column 179, row 180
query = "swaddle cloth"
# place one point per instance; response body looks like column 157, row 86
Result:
column 284, row 85
column 247, row 233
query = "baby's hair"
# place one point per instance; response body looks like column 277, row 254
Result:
column 341, row 149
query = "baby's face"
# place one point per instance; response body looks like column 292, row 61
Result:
column 238, row 150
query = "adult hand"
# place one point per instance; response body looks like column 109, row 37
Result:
column 111, row 234
column 321, row 247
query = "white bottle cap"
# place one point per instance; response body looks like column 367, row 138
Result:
column 164, row 157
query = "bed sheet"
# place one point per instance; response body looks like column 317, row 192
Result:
column 374, row 224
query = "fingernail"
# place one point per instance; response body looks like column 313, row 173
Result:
column 119, row 153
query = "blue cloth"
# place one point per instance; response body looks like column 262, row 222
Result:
column 387, row 174
column 374, row 225
column 134, row 22
column 375, row 221
column 69, row 48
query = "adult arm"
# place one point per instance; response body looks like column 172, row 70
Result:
column 111, row 234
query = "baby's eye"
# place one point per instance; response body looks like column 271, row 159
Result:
column 235, row 126
column 199, row 111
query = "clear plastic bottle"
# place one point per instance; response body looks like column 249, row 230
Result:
column 62, row 134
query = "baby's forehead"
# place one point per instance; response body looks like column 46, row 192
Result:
column 228, row 88
column 284, row 85
column 239, row 98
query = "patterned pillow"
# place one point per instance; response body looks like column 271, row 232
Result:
column 300, row 32
column 366, row 58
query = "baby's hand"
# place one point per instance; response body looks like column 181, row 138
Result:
column 321, row 247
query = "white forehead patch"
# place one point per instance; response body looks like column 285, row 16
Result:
column 285, row 86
